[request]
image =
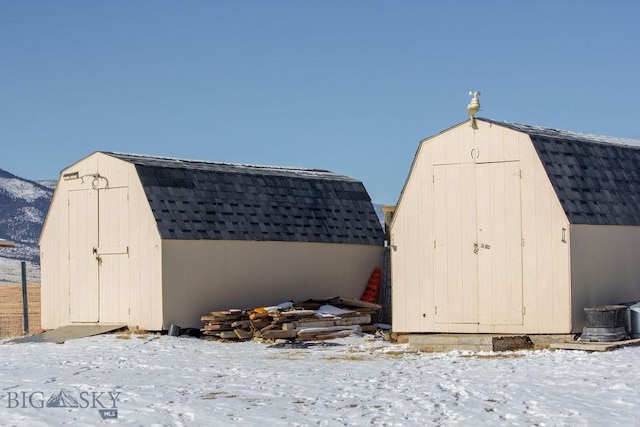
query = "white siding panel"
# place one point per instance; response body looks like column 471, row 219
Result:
column 425, row 293
column 243, row 274
column 605, row 267
column 412, row 255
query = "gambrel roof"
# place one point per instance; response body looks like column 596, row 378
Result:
column 220, row 201
column 596, row 178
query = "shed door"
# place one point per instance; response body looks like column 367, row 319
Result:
column 477, row 245
column 98, row 255
column 112, row 254
column 500, row 243
column 455, row 233
column 83, row 268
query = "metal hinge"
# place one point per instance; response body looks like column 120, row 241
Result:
column 434, row 244
column 435, row 310
column 522, row 242
column 524, row 310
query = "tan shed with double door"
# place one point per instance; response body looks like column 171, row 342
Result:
column 511, row 228
column 150, row 241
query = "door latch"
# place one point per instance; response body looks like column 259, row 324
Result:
column 477, row 247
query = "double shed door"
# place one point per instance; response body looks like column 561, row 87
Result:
column 478, row 243
column 98, row 254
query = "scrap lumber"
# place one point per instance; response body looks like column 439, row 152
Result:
column 228, row 335
column 243, row 334
column 217, row 327
column 338, row 321
column 242, row 324
column 258, row 324
column 330, row 332
column 352, row 302
column 309, row 320
column 318, row 323
column 220, row 324
column 333, row 335
column 275, row 334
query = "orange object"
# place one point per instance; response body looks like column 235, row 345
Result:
column 373, row 287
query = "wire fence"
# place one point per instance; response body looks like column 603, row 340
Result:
column 11, row 316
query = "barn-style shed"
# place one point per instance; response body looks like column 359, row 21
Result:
column 510, row 228
column 151, row 241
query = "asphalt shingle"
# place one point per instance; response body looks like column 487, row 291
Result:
column 597, row 179
column 206, row 200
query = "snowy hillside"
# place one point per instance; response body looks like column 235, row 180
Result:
column 49, row 183
column 23, row 207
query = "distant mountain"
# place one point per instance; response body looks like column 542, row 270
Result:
column 49, row 183
column 23, row 207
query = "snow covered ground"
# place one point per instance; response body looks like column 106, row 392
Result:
column 163, row 380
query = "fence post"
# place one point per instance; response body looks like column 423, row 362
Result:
column 25, row 303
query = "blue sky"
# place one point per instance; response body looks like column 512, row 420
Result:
column 349, row 86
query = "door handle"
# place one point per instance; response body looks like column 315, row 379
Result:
column 477, row 247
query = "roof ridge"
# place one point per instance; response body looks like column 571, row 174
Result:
column 566, row 134
column 274, row 168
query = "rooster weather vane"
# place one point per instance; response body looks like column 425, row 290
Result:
column 473, row 108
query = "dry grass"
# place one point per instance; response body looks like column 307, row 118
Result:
column 494, row 356
column 347, row 357
column 134, row 331
column 360, row 354
column 11, row 321
column 127, row 333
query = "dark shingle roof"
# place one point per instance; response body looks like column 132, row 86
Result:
column 218, row 201
column 596, row 178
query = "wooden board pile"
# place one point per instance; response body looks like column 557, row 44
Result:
column 302, row 321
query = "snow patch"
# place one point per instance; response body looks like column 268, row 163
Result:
column 32, row 214
column 20, row 189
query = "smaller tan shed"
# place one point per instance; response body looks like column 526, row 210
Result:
column 151, row 241
column 511, row 228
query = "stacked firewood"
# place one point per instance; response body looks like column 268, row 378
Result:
column 302, row 321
